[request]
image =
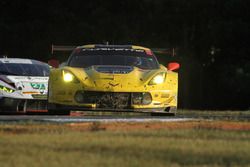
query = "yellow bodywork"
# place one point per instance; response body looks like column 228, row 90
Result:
column 88, row 79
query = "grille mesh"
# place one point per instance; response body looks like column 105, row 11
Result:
column 108, row 99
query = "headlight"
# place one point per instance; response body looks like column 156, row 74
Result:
column 6, row 89
column 67, row 76
column 158, row 79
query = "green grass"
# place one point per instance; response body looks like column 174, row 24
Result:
column 216, row 114
column 63, row 147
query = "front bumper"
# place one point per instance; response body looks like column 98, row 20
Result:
column 169, row 111
column 92, row 107
column 96, row 100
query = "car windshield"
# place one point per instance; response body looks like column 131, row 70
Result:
column 24, row 69
column 118, row 57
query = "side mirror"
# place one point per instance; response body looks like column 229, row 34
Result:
column 54, row 63
column 173, row 66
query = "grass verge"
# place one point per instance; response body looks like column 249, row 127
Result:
column 197, row 143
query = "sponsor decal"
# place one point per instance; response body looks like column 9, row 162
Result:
column 40, row 86
column 113, row 49
column 5, row 89
column 28, row 79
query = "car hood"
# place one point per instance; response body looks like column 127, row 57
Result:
column 113, row 77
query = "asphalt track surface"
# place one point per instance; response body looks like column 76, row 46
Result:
column 76, row 117
column 83, row 118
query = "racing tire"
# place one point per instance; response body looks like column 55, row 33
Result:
column 59, row 112
column 53, row 109
column 162, row 114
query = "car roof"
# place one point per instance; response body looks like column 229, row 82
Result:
column 21, row 61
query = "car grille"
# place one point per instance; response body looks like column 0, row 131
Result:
column 108, row 100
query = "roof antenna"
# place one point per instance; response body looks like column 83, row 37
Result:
column 5, row 55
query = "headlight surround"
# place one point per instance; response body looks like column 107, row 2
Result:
column 158, row 79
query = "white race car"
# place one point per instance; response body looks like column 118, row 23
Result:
column 23, row 85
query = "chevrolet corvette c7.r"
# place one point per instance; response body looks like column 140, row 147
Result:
column 113, row 78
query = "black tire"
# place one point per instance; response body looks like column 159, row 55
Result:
column 54, row 109
column 162, row 114
column 59, row 112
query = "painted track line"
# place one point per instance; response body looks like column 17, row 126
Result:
column 79, row 119
column 107, row 120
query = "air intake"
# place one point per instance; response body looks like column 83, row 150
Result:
column 114, row 69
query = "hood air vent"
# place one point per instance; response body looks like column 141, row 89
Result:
column 114, row 69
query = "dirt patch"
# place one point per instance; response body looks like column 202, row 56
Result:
column 30, row 129
column 123, row 126
column 220, row 125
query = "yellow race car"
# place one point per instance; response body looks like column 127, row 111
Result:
column 113, row 78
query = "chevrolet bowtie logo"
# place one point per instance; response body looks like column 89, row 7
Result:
column 113, row 84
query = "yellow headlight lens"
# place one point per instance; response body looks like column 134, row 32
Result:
column 67, row 76
column 158, row 79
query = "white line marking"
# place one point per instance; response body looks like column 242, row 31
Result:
column 119, row 120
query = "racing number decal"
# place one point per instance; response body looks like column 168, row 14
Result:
column 40, row 86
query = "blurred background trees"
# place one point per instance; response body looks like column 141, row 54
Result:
column 211, row 38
